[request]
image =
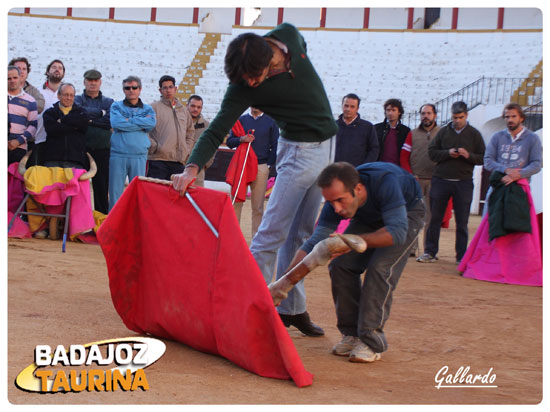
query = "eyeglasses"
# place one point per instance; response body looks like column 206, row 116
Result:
column 131, row 87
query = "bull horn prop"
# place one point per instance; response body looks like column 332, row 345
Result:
column 90, row 173
column 22, row 168
column 320, row 255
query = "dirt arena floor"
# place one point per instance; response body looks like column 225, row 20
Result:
column 438, row 319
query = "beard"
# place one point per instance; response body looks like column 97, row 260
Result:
column 427, row 123
column 512, row 126
column 55, row 78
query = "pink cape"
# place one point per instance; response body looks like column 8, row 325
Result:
column 171, row 277
column 515, row 258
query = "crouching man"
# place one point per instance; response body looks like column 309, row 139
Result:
column 384, row 203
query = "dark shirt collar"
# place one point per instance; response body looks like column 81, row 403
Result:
column 127, row 103
column 90, row 97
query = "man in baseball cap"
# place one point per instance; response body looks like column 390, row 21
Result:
column 98, row 135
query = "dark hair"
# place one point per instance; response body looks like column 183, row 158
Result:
column 52, row 62
column 428, row 104
column 23, row 60
column 131, row 79
column 352, row 96
column 516, row 107
column 343, row 171
column 194, row 96
column 248, row 54
column 459, row 107
column 394, row 103
column 12, row 67
column 167, row 78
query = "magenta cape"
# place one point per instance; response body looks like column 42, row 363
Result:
column 515, row 258
column 171, row 277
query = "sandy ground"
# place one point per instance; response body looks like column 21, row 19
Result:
column 438, row 319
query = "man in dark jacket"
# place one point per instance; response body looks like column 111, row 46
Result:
column 98, row 136
column 456, row 149
column 391, row 132
column 356, row 140
column 65, row 124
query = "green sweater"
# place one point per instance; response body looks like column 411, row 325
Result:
column 296, row 100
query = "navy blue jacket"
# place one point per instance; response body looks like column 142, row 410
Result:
column 356, row 143
column 266, row 134
column 98, row 135
column 66, row 133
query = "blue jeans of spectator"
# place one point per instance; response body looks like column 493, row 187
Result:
column 441, row 191
column 362, row 310
column 291, row 213
column 121, row 166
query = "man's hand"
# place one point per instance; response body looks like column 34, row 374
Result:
column 182, row 181
column 463, row 152
column 511, row 176
column 247, row 138
column 453, row 152
column 13, row 144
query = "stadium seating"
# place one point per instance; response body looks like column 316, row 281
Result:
column 414, row 66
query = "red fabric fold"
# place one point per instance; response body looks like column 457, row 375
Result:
column 235, row 169
column 171, row 277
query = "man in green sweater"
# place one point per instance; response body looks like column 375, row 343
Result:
column 274, row 74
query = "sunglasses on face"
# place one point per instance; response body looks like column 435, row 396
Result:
column 131, row 87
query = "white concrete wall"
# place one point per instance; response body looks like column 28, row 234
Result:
column 216, row 20
column 134, row 14
column 303, row 17
column 477, row 18
column 96, row 13
column 268, row 17
column 351, row 18
column 445, row 21
column 386, row 18
column 175, row 15
column 522, row 18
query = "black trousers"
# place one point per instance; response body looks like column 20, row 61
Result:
column 100, row 182
column 161, row 169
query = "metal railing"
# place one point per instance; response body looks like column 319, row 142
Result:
column 533, row 116
column 486, row 90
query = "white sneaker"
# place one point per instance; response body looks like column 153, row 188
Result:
column 345, row 346
column 363, row 353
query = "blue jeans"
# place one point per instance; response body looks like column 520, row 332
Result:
column 291, row 213
column 362, row 310
column 121, row 166
column 461, row 191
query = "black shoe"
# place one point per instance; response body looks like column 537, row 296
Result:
column 303, row 323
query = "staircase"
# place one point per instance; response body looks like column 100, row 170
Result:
column 529, row 87
column 191, row 79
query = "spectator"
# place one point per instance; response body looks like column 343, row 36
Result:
column 173, row 136
column 274, row 74
column 391, row 132
column 24, row 69
column 194, row 105
column 456, row 149
column 98, row 135
column 263, row 140
column 55, row 72
column 131, row 121
column 66, row 125
column 356, row 140
column 415, row 159
column 22, row 116
column 514, row 151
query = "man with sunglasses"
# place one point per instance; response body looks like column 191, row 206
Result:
column 131, row 121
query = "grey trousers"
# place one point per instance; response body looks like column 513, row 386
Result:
column 362, row 310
